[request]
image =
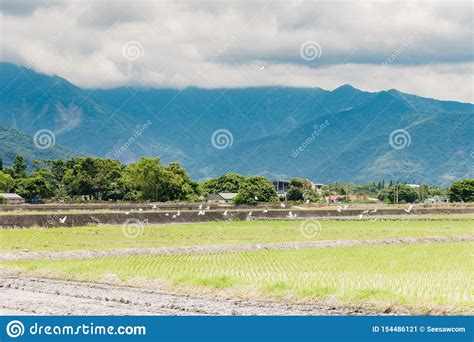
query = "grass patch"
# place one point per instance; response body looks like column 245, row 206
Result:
column 416, row 275
column 215, row 233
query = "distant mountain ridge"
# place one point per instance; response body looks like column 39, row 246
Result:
column 13, row 142
column 266, row 125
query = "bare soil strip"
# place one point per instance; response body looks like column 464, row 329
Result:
column 40, row 296
column 232, row 248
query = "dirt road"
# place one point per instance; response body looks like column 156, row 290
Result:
column 40, row 296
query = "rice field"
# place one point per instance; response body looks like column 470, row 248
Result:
column 216, row 233
column 420, row 276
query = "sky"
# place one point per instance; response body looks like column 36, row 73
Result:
column 424, row 48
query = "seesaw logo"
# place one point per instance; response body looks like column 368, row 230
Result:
column 15, row 329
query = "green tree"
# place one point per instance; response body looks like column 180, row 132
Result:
column 299, row 190
column 35, row 186
column 462, row 191
column 95, row 177
column 178, row 185
column 6, row 182
column 150, row 180
column 256, row 189
column 404, row 193
column 19, row 167
column 231, row 182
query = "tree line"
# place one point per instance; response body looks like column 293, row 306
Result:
column 150, row 180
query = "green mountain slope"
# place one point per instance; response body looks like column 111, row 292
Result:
column 266, row 123
column 13, row 142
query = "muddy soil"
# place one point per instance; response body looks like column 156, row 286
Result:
column 41, row 296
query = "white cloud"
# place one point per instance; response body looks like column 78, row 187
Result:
column 426, row 45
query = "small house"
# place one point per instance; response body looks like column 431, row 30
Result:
column 221, row 197
column 436, row 199
column 7, row 198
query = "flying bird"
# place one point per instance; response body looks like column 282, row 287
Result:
column 374, row 211
column 263, row 67
column 410, row 207
column 63, row 219
column 265, row 211
column 225, row 213
column 256, row 198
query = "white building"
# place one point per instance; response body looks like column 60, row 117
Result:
column 7, row 198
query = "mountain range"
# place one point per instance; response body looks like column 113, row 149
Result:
column 346, row 134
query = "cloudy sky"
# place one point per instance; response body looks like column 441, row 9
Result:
column 424, row 48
